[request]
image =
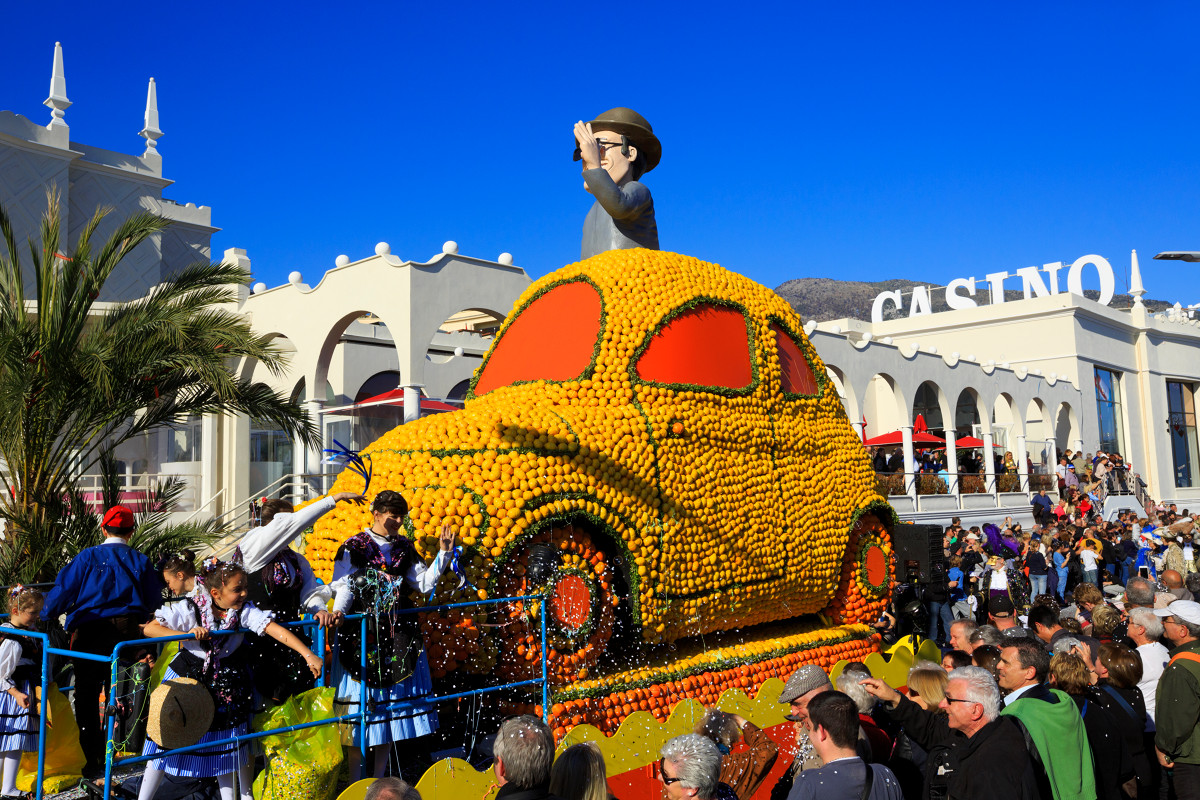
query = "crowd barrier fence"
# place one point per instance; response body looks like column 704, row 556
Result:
column 359, row 717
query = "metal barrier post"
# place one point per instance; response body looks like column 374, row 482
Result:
column 362, row 696
column 319, row 640
column 110, row 722
column 545, row 664
column 43, row 707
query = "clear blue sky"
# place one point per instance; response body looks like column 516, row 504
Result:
column 850, row 140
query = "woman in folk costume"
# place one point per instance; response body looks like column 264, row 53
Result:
column 20, row 673
column 371, row 575
column 281, row 581
column 221, row 664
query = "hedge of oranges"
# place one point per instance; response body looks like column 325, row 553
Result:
column 605, row 704
column 723, row 509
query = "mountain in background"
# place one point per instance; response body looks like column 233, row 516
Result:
column 824, row 299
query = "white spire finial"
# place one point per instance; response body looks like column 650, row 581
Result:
column 151, row 133
column 1135, row 280
column 57, row 101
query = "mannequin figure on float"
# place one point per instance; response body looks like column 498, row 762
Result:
column 617, row 148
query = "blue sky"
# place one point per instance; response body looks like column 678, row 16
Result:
column 849, row 140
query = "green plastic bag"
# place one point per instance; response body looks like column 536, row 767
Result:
column 303, row 764
column 169, row 651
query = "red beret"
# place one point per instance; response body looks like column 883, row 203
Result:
column 118, row 517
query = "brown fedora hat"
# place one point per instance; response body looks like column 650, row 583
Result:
column 181, row 710
column 628, row 122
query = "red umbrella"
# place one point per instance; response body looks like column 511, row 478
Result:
column 920, row 436
column 394, row 399
column 967, row 442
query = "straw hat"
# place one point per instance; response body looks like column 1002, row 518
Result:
column 181, row 709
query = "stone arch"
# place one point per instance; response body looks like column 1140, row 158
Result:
column 252, row 368
column 1038, row 428
column 1005, row 421
column 884, row 405
column 355, row 371
column 969, row 414
column 840, row 382
column 930, row 402
column 1066, row 427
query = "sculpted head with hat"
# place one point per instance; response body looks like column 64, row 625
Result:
column 621, row 142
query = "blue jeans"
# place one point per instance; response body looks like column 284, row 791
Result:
column 940, row 611
column 1092, row 576
column 1037, row 585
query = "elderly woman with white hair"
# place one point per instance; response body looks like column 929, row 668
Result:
column 689, row 768
column 850, row 684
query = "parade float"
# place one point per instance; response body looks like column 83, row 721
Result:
column 652, row 444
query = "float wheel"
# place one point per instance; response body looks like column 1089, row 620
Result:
column 867, row 575
column 569, row 565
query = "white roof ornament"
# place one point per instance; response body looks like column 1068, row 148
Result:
column 1136, row 289
column 57, row 101
column 151, row 132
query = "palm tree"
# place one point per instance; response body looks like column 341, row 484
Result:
column 77, row 380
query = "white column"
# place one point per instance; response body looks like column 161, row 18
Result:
column 313, row 454
column 1022, row 462
column 209, row 467
column 910, row 462
column 952, row 461
column 989, row 463
column 1051, row 454
column 1078, row 446
column 412, row 403
column 858, row 430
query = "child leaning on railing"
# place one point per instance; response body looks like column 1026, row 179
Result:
column 20, row 672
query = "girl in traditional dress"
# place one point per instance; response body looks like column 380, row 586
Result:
column 179, row 574
column 220, row 664
column 281, row 581
column 20, row 671
column 369, row 577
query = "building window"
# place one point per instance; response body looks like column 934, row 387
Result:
column 185, row 440
column 1181, row 407
column 270, row 444
column 1108, row 410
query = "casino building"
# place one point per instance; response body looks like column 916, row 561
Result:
column 1053, row 371
column 1036, row 376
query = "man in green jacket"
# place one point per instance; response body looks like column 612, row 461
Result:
column 1057, row 740
column 1177, row 703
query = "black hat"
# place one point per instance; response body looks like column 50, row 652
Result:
column 1000, row 606
column 633, row 125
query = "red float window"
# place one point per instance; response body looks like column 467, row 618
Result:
column 797, row 374
column 704, row 346
column 551, row 339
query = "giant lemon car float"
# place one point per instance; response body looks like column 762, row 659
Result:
column 652, row 441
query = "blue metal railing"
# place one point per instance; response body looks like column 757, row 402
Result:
column 360, row 716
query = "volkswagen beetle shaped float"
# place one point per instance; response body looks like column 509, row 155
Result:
column 651, row 440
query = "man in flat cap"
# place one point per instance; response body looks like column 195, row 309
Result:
column 804, row 684
column 617, row 148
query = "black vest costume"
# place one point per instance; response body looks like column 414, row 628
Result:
column 25, row 677
column 393, row 640
column 276, row 588
column 228, row 680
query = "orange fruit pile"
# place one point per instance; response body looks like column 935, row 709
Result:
column 665, row 430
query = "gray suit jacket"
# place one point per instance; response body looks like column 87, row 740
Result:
column 622, row 216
